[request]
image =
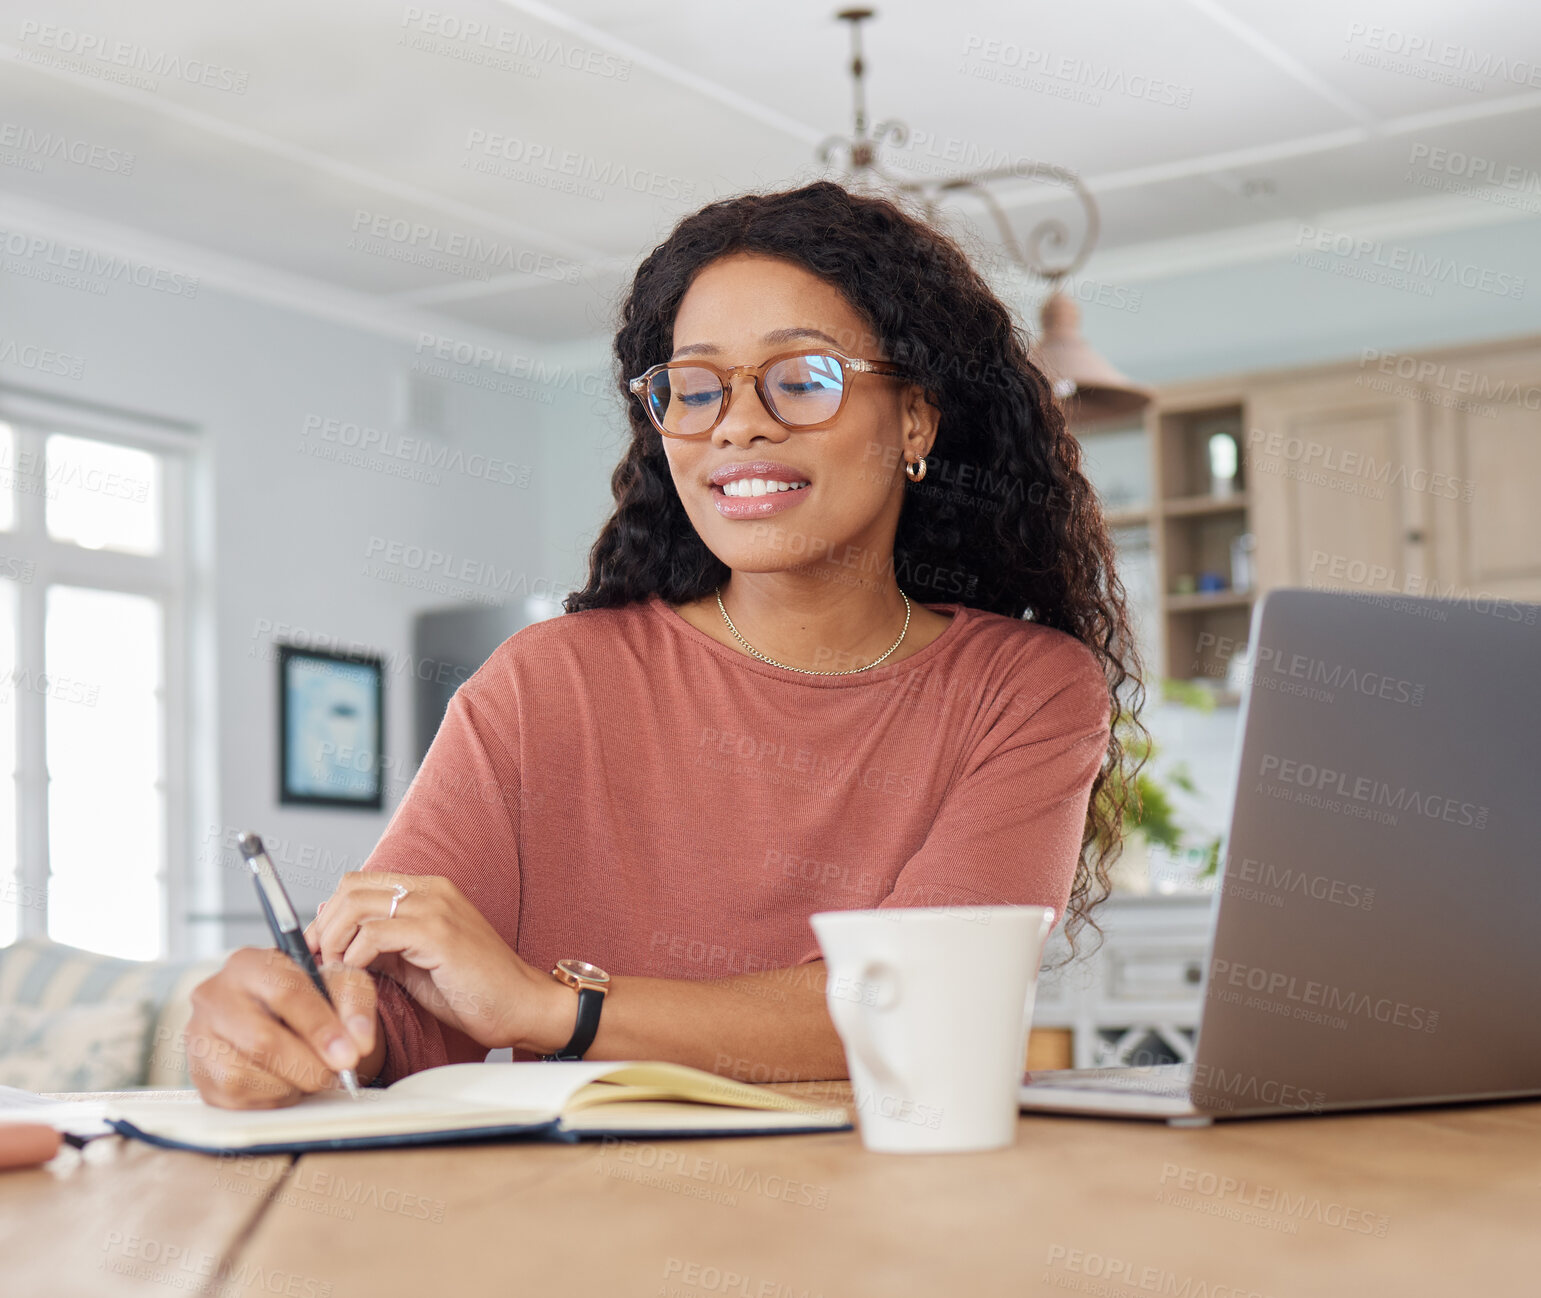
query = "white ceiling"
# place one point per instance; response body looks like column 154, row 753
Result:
column 367, row 106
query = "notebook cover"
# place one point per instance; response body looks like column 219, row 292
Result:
column 531, row 1130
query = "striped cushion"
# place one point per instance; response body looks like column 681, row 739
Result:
column 97, row 1047
column 51, row 975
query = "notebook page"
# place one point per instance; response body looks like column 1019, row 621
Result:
column 659, row 1081
column 564, row 1086
column 327, row 1115
column 524, row 1084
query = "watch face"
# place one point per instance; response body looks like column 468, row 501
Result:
column 591, row 973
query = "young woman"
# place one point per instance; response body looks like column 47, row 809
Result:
column 852, row 637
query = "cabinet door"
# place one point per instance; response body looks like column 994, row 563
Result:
column 1485, row 450
column 1335, row 478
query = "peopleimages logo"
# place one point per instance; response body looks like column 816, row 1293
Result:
column 473, row 36
column 1400, row 259
column 89, row 52
column 392, row 450
column 1273, row 882
column 1269, row 1198
column 1271, row 661
column 47, row 145
column 1413, row 49
column 487, row 255
column 1096, row 79
column 1453, row 378
column 1100, row 1273
column 543, row 159
column 1222, row 1089
column 1308, row 454
column 1477, row 168
column 429, row 569
column 45, row 251
column 1373, row 792
column 772, row 754
column 479, row 356
column 1327, row 997
column 42, row 359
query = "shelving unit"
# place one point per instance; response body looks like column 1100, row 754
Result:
column 1135, row 1000
column 1201, row 627
column 1451, row 515
column 1188, row 527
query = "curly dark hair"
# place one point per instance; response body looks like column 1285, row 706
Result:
column 1028, row 531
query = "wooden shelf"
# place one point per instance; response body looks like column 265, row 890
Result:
column 1130, row 517
column 1189, row 506
column 1209, row 599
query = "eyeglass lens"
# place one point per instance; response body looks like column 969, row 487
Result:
column 800, row 389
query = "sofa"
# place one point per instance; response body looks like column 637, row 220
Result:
column 74, row 1020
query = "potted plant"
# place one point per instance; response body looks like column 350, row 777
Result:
column 1150, row 816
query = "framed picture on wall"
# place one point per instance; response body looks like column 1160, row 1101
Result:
column 331, row 729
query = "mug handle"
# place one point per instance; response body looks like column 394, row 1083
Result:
column 1030, row 1004
column 862, row 1045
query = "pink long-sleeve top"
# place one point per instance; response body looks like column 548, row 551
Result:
column 616, row 786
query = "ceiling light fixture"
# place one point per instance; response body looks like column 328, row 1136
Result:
column 1087, row 384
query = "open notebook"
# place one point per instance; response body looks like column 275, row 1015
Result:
column 567, row 1100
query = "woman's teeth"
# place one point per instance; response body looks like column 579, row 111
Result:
column 758, row 486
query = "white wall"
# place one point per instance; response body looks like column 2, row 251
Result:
column 1280, row 312
column 587, row 437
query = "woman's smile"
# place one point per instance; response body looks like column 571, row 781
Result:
column 757, row 489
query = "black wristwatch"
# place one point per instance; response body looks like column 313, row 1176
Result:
column 591, row 983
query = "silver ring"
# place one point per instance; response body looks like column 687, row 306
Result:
column 396, row 900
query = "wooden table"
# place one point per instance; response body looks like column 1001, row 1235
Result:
column 1441, row 1202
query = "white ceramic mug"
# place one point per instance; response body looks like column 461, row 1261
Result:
column 933, row 1005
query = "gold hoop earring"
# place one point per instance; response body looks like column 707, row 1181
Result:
column 910, row 467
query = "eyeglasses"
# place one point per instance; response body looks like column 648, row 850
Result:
column 801, row 390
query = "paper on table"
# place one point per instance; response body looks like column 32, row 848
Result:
column 73, row 1117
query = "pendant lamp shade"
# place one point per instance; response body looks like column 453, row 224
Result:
column 1088, row 386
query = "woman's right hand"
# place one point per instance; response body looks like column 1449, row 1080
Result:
column 261, row 1036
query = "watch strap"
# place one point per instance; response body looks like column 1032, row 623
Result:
column 590, row 1002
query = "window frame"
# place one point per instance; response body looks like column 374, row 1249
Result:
column 164, row 577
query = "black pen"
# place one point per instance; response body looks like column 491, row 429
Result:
column 287, row 932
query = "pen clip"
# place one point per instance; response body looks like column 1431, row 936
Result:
column 269, row 885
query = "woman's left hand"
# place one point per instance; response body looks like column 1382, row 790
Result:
column 439, row 947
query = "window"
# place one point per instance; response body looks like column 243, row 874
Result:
column 92, row 599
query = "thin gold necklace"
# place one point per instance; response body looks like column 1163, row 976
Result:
column 808, row 671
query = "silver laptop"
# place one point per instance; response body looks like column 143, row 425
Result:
column 1377, row 940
